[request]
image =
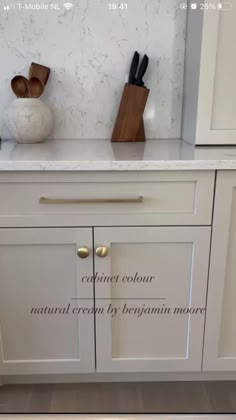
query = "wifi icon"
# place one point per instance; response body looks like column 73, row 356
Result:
column 68, row 6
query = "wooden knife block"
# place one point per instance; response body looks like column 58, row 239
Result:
column 129, row 124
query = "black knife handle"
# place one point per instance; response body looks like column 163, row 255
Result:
column 142, row 71
column 133, row 68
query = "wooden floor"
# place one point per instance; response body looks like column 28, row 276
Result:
column 148, row 397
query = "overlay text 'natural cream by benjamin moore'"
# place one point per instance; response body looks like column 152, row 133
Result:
column 113, row 310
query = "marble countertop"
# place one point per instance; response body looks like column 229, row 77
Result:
column 102, row 155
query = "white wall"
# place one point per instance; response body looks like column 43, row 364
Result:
column 89, row 50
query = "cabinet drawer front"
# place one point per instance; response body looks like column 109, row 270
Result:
column 168, row 198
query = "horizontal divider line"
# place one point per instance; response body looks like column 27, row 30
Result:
column 118, row 298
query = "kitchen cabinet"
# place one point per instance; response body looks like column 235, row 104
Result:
column 40, row 271
column 64, row 237
column 209, row 112
column 220, row 338
column 162, row 271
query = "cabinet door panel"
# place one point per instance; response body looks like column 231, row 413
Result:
column 168, row 267
column 216, row 102
column 40, row 274
column 220, row 338
column 224, row 112
column 209, row 112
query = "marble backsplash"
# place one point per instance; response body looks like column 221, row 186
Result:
column 89, row 50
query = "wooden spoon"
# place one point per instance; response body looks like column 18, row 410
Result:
column 36, row 87
column 20, row 86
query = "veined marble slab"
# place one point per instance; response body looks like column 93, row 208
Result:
column 89, row 49
column 102, row 155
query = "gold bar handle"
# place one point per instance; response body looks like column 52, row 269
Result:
column 48, row 200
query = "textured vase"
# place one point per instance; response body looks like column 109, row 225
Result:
column 29, row 120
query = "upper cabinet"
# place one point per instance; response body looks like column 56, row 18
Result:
column 209, row 111
column 220, row 337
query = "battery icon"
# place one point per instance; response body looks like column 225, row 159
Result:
column 226, row 5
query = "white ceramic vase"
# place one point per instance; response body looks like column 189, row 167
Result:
column 29, row 120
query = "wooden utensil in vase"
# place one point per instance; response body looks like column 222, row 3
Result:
column 36, row 87
column 20, row 86
column 40, row 72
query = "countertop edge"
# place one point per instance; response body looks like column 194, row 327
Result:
column 91, row 166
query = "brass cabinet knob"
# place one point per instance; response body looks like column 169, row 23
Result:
column 102, row 251
column 83, row 252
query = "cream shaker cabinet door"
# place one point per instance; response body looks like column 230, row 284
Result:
column 152, row 277
column 209, row 111
column 40, row 285
column 220, row 336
